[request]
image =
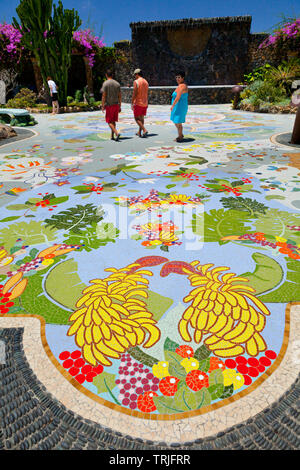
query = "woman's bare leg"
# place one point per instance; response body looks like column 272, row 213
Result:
column 179, row 130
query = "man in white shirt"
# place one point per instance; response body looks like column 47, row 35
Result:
column 54, row 95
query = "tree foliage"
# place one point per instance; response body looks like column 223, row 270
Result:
column 49, row 38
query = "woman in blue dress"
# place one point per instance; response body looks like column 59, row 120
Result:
column 179, row 104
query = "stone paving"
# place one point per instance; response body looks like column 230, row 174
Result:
column 71, row 380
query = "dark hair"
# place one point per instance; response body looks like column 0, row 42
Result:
column 181, row 73
column 109, row 73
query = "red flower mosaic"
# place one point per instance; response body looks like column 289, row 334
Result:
column 197, row 379
column 168, row 386
column 145, row 402
column 185, row 351
column 215, row 363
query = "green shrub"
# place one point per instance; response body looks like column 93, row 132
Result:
column 78, row 96
column 260, row 73
column 69, row 100
column 262, row 92
column 24, row 99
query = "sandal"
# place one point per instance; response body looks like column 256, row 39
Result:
column 145, row 134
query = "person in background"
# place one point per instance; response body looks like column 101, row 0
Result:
column 140, row 101
column 179, row 103
column 54, row 95
column 111, row 103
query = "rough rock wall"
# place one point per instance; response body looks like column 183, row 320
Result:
column 259, row 57
column 124, row 67
column 211, row 51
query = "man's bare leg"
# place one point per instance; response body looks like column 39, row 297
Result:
column 140, row 122
column 55, row 107
column 113, row 128
column 139, row 133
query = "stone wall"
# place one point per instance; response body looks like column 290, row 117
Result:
column 259, row 57
column 124, row 68
column 203, row 95
column 211, row 51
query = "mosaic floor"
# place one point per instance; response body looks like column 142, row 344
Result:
column 155, row 285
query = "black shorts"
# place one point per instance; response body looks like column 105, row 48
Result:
column 54, row 97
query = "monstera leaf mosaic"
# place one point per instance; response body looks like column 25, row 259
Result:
column 289, row 290
column 277, row 223
column 219, row 223
column 267, row 274
column 32, row 233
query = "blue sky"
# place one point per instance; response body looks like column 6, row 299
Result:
column 113, row 17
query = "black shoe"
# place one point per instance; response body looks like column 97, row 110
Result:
column 118, row 137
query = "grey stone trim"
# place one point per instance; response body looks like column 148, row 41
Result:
column 31, row 419
column 22, row 134
column 197, row 94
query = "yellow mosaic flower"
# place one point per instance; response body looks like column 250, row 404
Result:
column 232, row 377
column 190, row 363
column 47, row 262
column 225, row 309
column 111, row 317
column 167, row 236
column 6, row 261
column 155, row 242
column 160, row 370
column 280, row 239
column 179, row 198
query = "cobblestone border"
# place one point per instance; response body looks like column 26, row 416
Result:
column 30, row 418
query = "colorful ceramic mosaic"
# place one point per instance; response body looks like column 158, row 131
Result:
column 198, row 321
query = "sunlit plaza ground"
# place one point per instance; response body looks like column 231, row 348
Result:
column 131, row 240
column 149, row 276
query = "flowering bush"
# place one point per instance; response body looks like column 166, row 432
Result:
column 89, row 42
column 10, row 49
column 288, row 35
